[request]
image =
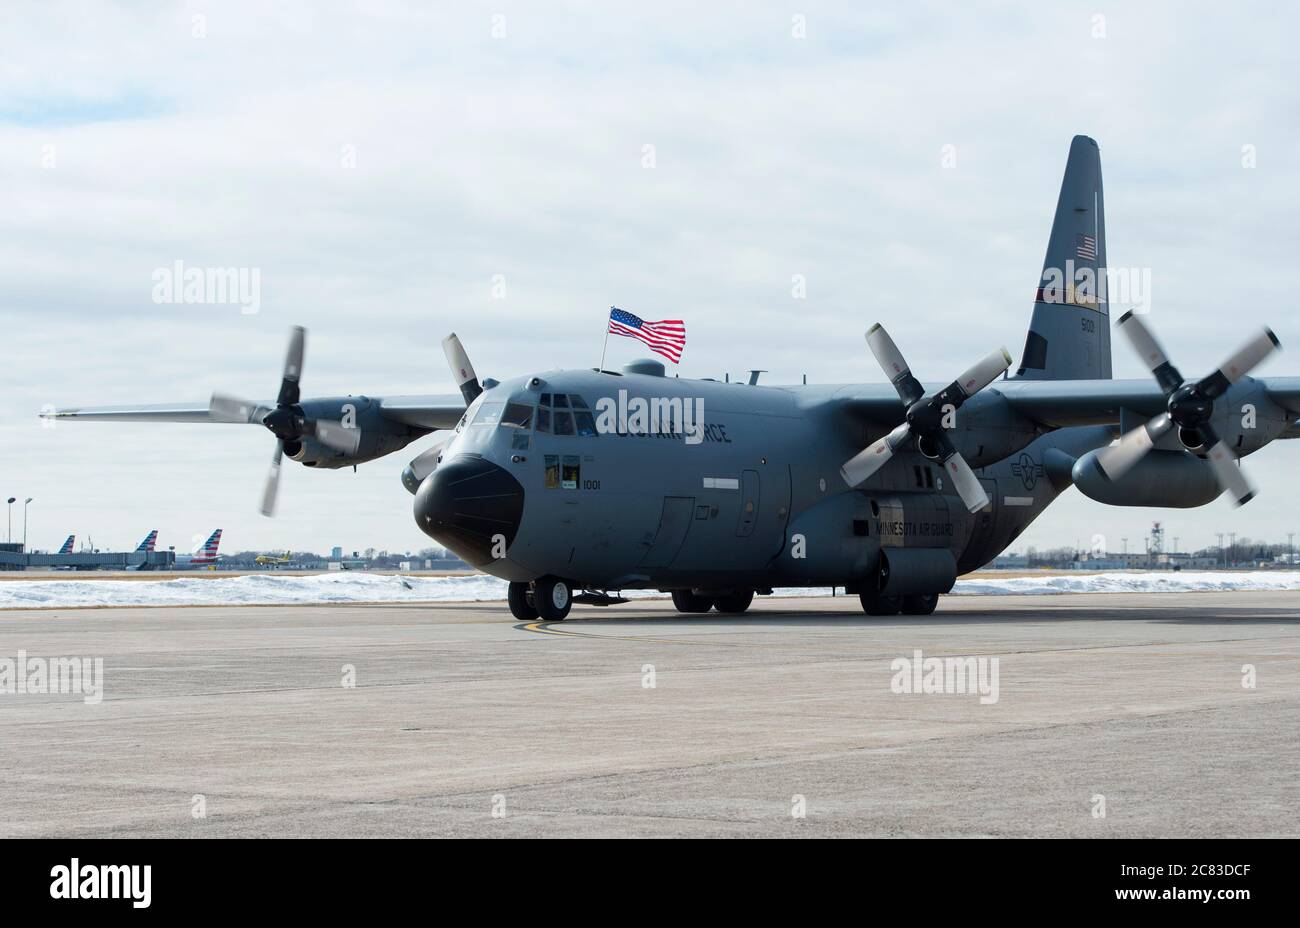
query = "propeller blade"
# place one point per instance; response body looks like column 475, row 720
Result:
column 1149, row 350
column 461, row 369
column 984, row 372
column 895, row 367
column 272, row 481
column 968, row 485
column 338, row 436
column 225, row 408
column 1247, row 357
column 426, row 462
column 870, row 459
column 1227, row 471
column 289, row 392
column 1117, row 460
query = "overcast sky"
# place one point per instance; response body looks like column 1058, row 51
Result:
column 381, row 164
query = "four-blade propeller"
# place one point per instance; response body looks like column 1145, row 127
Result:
column 925, row 418
column 286, row 420
column 1190, row 406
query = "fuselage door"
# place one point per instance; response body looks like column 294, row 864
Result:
column 674, row 522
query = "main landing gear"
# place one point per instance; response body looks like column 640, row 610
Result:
column 548, row 599
column 917, row 604
column 732, row 602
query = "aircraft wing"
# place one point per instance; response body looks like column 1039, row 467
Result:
column 159, row 412
column 429, row 412
column 1064, row 403
column 1061, row 403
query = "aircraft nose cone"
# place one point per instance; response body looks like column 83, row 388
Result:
column 469, row 505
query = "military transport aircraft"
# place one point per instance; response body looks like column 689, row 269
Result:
column 575, row 485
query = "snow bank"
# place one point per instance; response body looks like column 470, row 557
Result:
column 355, row 587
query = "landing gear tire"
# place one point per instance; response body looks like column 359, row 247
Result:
column 693, row 603
column 521, row 606
column 735, row 603
column 875, row 604
column 553, row 598
column 920, row 604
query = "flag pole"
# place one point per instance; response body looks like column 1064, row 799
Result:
column 605, row 346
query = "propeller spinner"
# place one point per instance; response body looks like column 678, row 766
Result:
column 1190, row 406
column 286, row 420
column 924, row 418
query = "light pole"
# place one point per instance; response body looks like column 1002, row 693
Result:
column 25, row 502
column 9, row 532
column 1222, row 555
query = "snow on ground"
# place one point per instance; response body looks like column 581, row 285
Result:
column 355, row 587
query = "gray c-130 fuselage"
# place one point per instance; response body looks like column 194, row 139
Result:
column 750, row 496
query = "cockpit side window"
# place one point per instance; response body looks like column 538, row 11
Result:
column 517, row 416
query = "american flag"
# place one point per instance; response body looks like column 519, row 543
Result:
column 1085, row 246
column 666, row 337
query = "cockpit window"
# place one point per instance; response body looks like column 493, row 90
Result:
column 517, row 416
column 489, row 414
column 563, row 414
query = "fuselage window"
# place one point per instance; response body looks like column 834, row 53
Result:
column 916, row 472
column 929, row 478
column 552, row 471
column 570, row 476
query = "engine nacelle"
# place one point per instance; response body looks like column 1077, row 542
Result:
column 1165, row 479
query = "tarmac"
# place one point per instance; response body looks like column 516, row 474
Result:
column 634, row 721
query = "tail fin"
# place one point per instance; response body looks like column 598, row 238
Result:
column 208, row 551
column 150, row 541
column 67, row 545
column 1069, row 334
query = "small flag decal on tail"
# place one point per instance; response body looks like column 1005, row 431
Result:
column 666, row 337
column 1085, row 247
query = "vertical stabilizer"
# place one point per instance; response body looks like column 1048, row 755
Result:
column 1069, row 334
